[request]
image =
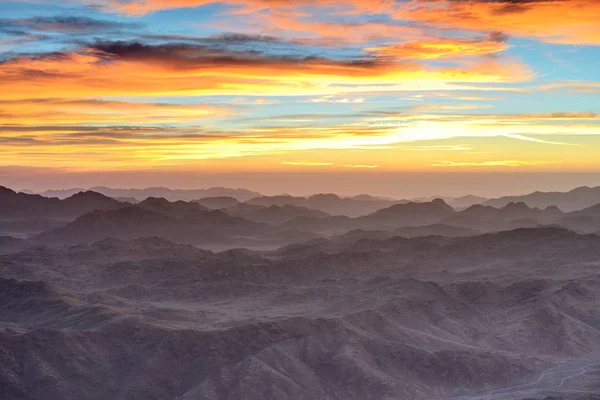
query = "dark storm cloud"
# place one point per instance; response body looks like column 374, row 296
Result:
column 201, row 55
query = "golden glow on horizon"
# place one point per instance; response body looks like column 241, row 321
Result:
column 309, row 85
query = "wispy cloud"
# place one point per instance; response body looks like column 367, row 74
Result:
column 366, row 166
column 307, row 163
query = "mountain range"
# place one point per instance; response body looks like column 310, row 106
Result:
column 169, row 194
column 225, row 222
column 576, row 199
column 382, row 318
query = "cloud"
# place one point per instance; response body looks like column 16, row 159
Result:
column 331, row 99
column 441, row 48
column 572, row 86
column 363, row 166
column 556, row 21
column 35, row 112
column 307, row 163
column 137, row 69
column 101, row 147
column 64, row 24
column 537, row 140
column 137, row 7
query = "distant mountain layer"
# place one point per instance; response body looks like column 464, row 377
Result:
column 573, row 200
column 169, row 194
column 363, row 204
column 329, row 203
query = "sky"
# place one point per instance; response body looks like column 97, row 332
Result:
column 393, row 97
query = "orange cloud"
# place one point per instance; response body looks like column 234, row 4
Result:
column 558, row 21
column 32, row 112
column 442, row 48
column 327, row 33
column 131, row 69
column 348, row 6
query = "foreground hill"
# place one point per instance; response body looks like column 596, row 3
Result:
column 369, row 319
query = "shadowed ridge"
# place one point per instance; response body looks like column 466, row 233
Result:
column 516, row 207
column 324, row 197
column 408, row 214
column 4, row 191
column 219, row 202
column 435, row 205
column 573, row 200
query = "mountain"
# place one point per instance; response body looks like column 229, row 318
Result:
column 169, row 194
column 180, row 222
column 179, row 194
column 22, row 205
column 438, row 218
column 434, row 230
column 576, row 199
column 511, row 313
column 274, row 215
column 511, row 216
column 409, row 214
column 388, row 219
column 329, row 203
column 583, row 221
column 368, row 197
column 175, row 209
column 61, row 193
column 334, row 225
column 461, row 203
column 130, row 200
column 217, row 203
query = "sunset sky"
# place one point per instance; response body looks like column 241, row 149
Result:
column 285, row 93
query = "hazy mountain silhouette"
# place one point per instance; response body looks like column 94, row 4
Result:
column 180, row 222
column 217, row 203
column 409, row 214
column 329, row 203
column 585, row 221
column 511, row 216
column 274, row 215
column 169, row 194
column 463, row 202
column 576, row 199
column 175, row 209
